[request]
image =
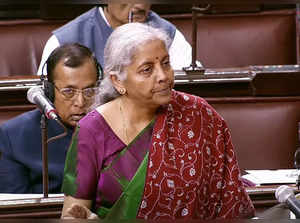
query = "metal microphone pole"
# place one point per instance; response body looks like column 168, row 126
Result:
column 44, row 124
column 194, row 68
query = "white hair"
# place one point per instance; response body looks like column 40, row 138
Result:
column 119, row 50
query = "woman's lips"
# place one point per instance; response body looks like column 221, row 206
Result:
column 166, row 90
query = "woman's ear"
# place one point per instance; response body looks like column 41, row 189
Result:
column 117, row 83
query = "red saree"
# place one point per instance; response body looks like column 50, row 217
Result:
column 192, row 170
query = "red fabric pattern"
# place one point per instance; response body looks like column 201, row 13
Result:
column 192, row 170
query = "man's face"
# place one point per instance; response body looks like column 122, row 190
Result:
column 119, row 14
column 71, row 110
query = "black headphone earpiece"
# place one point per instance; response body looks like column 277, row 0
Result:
column 49, row 90
column 47, row 86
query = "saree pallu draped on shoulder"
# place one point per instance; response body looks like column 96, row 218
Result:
column 192, row 168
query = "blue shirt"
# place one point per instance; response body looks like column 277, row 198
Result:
column 21, row 160
column 91, row 30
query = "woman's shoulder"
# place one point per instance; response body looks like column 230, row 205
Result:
column 95, row 126
column 92, row 121
column 185, row 101
column 105, row 109
column 110, row 113
column 101, row 120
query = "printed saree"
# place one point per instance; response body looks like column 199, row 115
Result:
column 190, row 172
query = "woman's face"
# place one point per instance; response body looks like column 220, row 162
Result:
column 150, row 77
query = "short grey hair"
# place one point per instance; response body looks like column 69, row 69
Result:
column 119, row 51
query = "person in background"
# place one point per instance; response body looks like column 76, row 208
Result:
column 147, row 151
column 94, row 27
column 72, row 77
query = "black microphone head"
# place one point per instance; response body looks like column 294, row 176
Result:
column 283, row 192
column 33, row 92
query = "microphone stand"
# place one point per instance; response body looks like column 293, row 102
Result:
column 45, row 141
column 44, row 124
column 194, row 68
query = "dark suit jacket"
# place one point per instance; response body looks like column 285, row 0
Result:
column 21, row 161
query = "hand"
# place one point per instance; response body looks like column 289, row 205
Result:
column 79, row 211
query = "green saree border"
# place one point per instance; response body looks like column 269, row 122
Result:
column 128, row 204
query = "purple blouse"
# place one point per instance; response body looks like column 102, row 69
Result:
column 104, row 165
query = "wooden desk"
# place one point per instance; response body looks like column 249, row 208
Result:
column 143, row 221
column 32, row 208
column 256, row 81
column 263, row 198
column 252, row 81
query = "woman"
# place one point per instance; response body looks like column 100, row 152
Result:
column 148, row 151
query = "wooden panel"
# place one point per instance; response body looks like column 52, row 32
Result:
column 68, row 9
column 13, row 89
column 31, row 208
column 247, row 81
column 234, row 82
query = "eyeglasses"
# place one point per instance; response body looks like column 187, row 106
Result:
column 70, row 93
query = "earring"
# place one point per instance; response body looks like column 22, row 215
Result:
column 122, row 91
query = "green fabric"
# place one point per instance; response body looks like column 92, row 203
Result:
column 147, row 128
column 128, row 204
column 69, row 186
column 121, row 179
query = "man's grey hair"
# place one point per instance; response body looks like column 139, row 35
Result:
column 119, row 51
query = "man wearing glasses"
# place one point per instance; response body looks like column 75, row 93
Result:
column 73, row 76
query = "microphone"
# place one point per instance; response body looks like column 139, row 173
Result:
column 36, row 96
column 285, row 194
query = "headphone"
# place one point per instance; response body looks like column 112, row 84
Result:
column 48, row 86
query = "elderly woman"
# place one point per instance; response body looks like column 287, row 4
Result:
column 147, row 151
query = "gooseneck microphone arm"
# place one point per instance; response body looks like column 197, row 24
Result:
column 60, row 135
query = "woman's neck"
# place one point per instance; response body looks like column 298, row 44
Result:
column 136, row 113
column 133, row 118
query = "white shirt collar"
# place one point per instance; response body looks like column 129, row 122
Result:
column 103, row 16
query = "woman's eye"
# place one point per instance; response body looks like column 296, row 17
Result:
column 166, row 63
column 146, row 70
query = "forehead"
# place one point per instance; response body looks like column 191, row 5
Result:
column 84, row 74
column 153, row 49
